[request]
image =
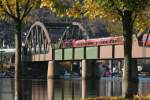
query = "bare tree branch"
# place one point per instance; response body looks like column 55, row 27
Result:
column 140, row 34
column 26, row 7
column 12, row 16
column 8, row 10
column 119, row 11
column 134, row 18
column 26, row 13
column 17, row 9
column 148, row 34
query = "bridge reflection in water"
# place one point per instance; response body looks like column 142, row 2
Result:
column 60, row 89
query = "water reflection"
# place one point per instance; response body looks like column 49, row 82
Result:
column 50, row 89
column 84, row 89
column 39, row 89
column 67, row 89
column 27, row 89
column 6, row 89
column 60, row 89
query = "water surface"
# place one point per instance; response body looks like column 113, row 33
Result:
column 67, row 89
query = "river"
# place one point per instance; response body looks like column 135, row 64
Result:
column 67, row 89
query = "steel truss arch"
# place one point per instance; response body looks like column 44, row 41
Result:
column 38, row 39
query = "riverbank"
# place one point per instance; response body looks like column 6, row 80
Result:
column 136, row 97
column 7, row 73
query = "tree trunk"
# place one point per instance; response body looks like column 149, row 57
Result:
column 18, row 91
column 130, row 79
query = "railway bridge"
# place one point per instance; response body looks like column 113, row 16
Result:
column 43, row 44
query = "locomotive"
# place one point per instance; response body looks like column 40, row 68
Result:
column 102, row 41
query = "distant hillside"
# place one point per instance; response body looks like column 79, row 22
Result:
column 96, row 28
column 6, row 33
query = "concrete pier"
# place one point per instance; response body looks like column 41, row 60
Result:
column 50, row 71
column 84, row 69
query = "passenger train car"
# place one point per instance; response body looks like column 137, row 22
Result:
column 102, row 41
column 98, row 41
column 146, row 40
column 93, row 42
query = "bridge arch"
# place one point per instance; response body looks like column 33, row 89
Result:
column 43, row 37
column 38, row 39
column 84, row 31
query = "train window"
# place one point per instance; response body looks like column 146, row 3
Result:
column 91, row 43
column 87, row 43
column 98, row 43
column 102, row 42
column 105, row 42
column 80, row 44
column 112, row 41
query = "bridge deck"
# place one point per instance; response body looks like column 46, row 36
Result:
column 98, row 52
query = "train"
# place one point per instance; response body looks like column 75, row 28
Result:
column 102, row 41
column 146, row 40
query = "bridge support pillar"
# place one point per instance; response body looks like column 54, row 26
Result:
column 50, row 72
column 84, row 69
